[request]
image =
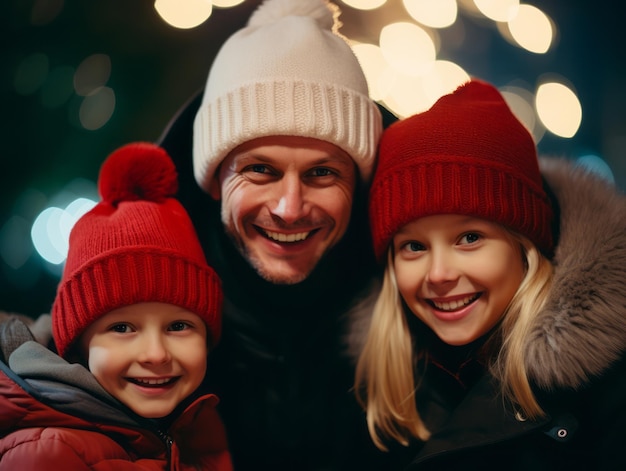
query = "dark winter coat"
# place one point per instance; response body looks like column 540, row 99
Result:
column 576, row 361
column 280, row 369
column 54, row 416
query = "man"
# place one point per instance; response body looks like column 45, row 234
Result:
column 284, row 142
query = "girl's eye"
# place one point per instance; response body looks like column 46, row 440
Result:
column 470, row 238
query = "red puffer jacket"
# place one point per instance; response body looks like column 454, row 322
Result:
column 55, row 416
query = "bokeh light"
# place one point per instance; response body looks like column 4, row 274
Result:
column 31, row 73
column 184, row 14
column 521, row 102
column 364, row 4
column 92, row 73
column 50, row 230
column 97, row 108
column 376, row 69
column 532, row 29
column 433, row 13
column 498, row 10
column 78, row 82
column 408, row 48
column 58, row 87
column 45, row 11
column 597, row 165
column 558, row 108
column 226, row 3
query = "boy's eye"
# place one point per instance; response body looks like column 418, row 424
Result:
column 120, row 328
column 178, row 326
column 413, row 246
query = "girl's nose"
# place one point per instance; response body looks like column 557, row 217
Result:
column 441, row 268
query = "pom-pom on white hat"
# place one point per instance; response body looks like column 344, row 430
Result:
column 288, row 73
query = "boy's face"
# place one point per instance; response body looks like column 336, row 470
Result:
column 150, row 356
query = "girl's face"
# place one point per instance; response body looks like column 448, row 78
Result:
column 150, row 356
column 457, row 274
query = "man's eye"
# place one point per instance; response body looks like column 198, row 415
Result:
column 258, row 168
column 321, row 172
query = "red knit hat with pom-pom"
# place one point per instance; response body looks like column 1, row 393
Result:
column 137, row 245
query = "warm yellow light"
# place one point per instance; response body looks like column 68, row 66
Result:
column 408, row 48
column 558, row 109
column 433, row 13
column 365, row 4
column 184, row 14
column 226, row 3
column 520, row 101
column 532, row 29
column 444, row 78
column 498, row 10
column 407, row 96
column 375, row 67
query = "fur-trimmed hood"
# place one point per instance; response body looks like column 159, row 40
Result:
column 582, row 329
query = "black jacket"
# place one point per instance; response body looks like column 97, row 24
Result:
column 280, row 369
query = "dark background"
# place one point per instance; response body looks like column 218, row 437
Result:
column 155, row 68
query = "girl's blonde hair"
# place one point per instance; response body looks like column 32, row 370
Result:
column 386, row 375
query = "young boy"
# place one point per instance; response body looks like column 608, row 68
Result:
column 135, row 315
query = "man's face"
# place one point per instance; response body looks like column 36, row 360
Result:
column 286, row 201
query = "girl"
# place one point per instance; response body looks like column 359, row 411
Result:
column 497, row 338
column 135, row 315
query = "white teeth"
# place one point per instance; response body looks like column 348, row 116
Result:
column 280, row 237
column 153, row 381
column 454, row 305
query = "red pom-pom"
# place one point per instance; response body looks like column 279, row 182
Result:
column 137, row 171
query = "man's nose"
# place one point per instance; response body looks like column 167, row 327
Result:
column 290, row 202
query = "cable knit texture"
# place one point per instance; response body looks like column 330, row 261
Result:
column 310, row 85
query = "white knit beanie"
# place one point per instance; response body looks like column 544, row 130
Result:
column 288, row 73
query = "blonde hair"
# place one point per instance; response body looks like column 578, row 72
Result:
column 386, row 382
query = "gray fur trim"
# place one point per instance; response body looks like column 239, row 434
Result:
column 582, row 329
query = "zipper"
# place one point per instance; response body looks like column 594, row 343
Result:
column 168, row 440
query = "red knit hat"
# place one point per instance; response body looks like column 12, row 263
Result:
column 137, row 245
column 469, row 155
